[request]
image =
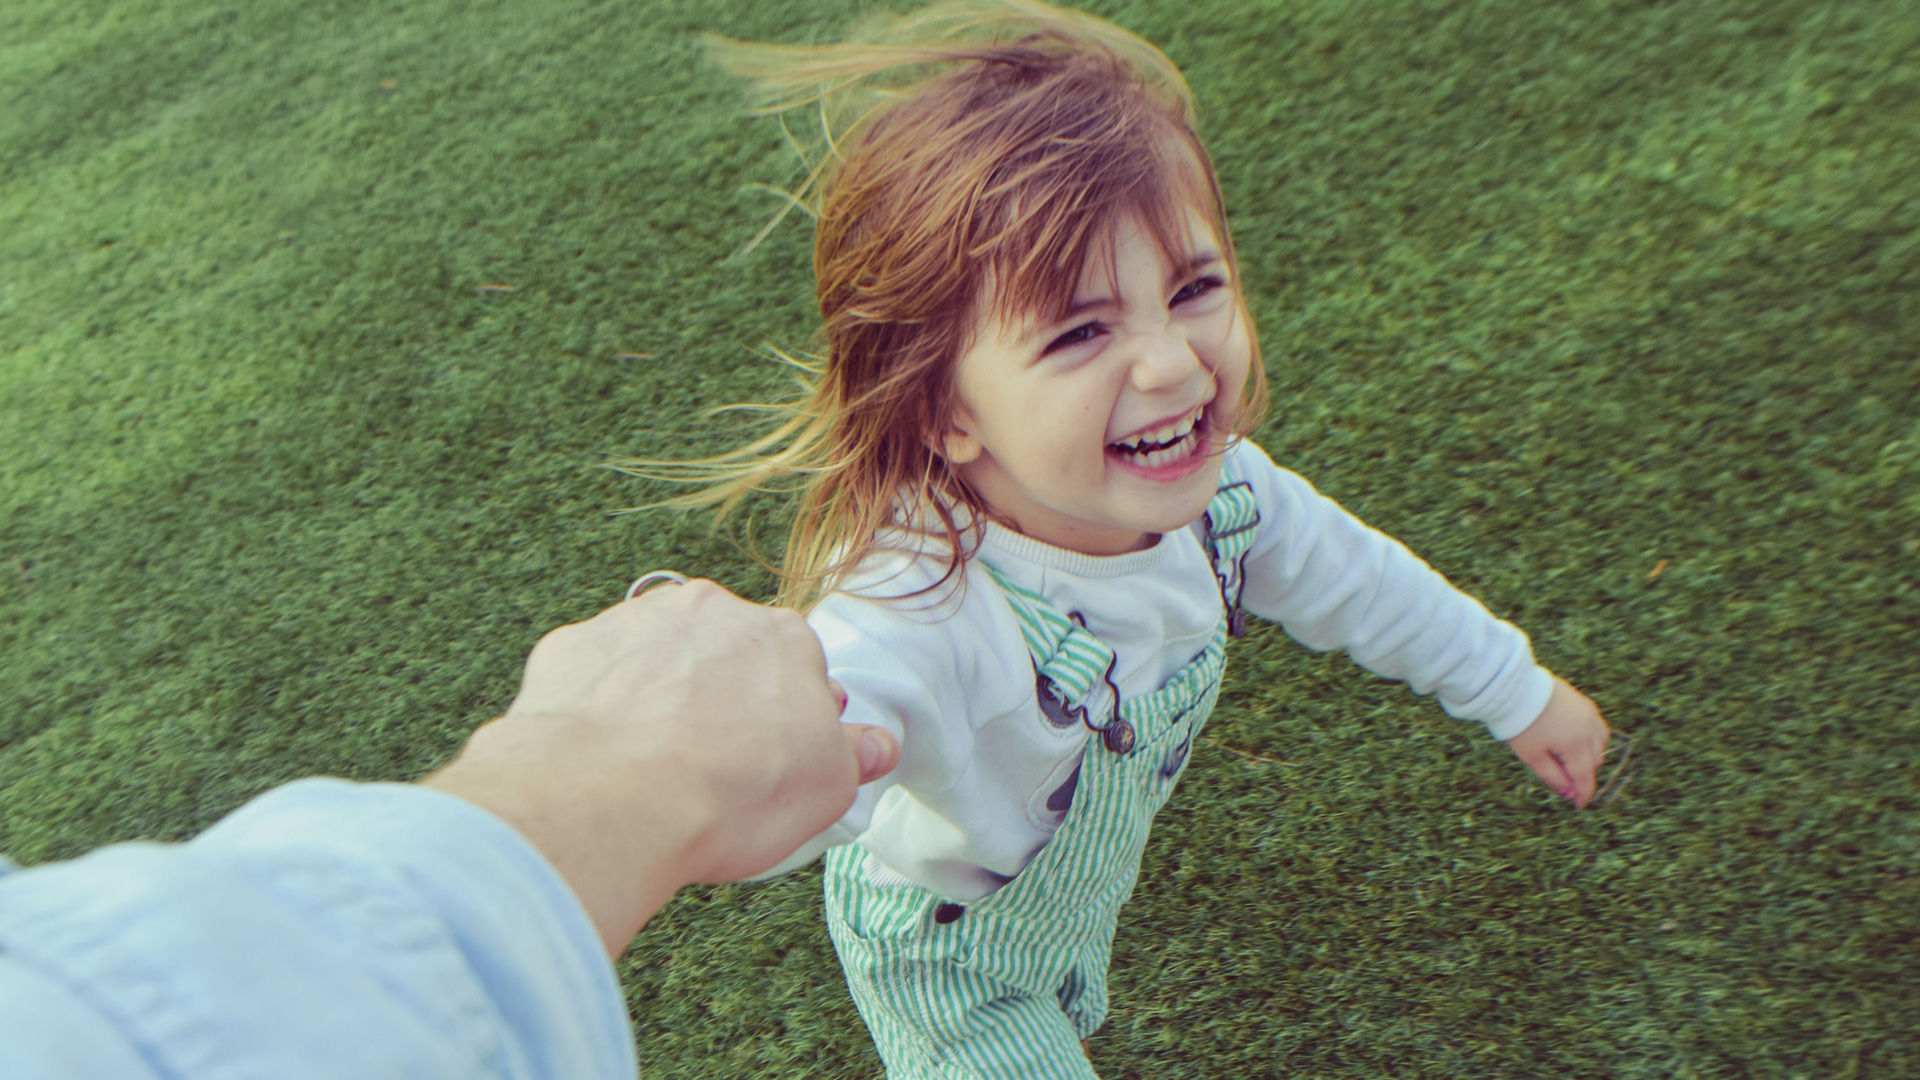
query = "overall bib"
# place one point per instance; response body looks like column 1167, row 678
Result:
column 1007, row 985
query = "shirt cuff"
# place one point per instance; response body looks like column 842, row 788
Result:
column 1524, row 706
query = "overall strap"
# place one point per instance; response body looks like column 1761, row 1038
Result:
column 1064, row 651
column 1228, row 528
column 1070, row 663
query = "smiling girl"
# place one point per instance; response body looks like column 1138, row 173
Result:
column 1030, row 520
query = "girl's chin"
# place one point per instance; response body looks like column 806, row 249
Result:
column 1170, row 509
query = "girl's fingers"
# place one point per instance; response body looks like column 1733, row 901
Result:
column 1583, row 769
column 1555, row 771
column 1582, row 785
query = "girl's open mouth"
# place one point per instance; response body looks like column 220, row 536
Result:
column 1166, row 449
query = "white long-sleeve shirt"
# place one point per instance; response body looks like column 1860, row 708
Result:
column 949, row 674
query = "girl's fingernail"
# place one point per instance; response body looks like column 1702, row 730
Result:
column 1567, row 794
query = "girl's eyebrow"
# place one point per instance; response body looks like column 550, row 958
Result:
column 1200, row 262
column 1079, row 306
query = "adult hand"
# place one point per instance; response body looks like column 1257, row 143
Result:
column 1565, row 743
column 682, row 736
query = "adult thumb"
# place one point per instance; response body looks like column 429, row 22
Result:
column 875, row 748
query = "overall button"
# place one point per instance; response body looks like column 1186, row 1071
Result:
column 946, row 913
column 1119, row 737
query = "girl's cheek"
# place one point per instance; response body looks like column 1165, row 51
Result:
column 1231, row 360
column 1217, row 331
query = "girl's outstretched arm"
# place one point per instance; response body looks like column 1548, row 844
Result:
column 1564, row 744
column 1334, row 582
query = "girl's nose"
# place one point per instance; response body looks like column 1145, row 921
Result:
column 1166, row 361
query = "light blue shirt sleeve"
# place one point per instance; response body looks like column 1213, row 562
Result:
column 326, row 929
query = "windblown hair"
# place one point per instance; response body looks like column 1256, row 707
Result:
column 974, row 157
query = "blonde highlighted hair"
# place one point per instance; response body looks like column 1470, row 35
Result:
column 975, row 153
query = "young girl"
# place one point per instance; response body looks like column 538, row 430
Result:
column 1031, row 523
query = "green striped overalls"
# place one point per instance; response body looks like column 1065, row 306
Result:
column 1007, row 985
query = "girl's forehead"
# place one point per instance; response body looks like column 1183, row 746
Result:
column 1174, row 242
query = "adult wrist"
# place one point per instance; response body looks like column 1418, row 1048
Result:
column 607, row 823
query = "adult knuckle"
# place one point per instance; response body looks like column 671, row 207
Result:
column 559, row 637
column 709, row 595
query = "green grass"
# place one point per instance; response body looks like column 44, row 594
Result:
column 1561, row 294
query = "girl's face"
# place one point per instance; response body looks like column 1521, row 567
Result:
column 1101, row 430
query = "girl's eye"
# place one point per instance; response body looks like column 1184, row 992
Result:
column 1195, row 289
column 1085, row 332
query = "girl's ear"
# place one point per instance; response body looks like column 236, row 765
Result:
column 957, row 443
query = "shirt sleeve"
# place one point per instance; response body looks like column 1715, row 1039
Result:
column 1332, row 582
column 917, row 656
column 325, row 929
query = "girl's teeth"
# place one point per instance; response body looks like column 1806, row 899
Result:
column 1160, row 435
column 1182, row 437
column 1168, row 456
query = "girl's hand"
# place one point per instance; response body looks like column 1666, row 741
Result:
column 1564, row 743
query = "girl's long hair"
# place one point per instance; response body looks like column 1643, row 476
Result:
column 972, row 157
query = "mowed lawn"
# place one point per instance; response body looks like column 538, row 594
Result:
column 319, row 320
